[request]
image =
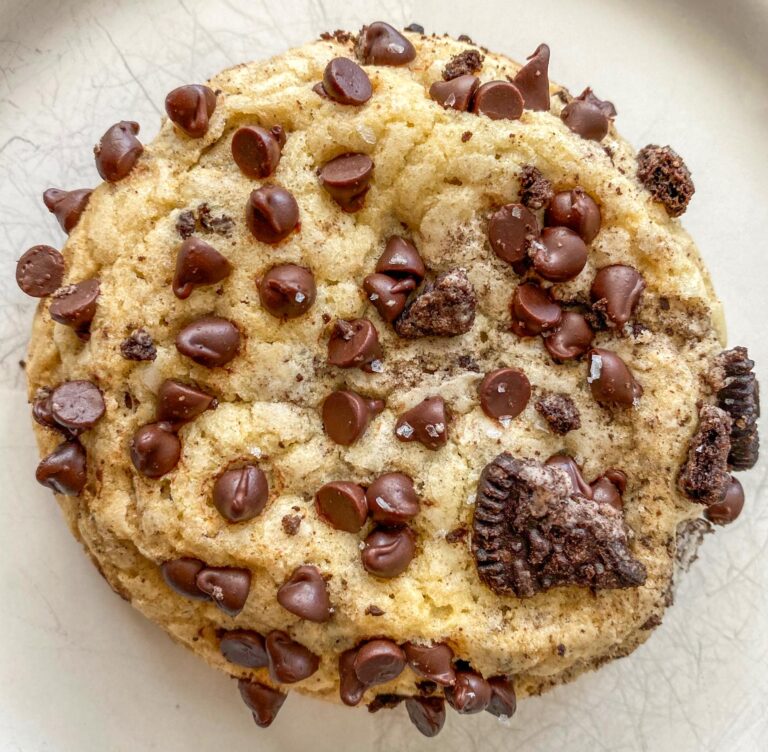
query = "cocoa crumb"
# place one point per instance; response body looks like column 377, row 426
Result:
column 662, row 171
column 373, row 610
column 535, row 190
column 465, row 63
column 560, row 412
column 138, row 346
column 291, row 523
column 466, row 136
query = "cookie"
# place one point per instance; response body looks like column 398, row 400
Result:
column 387, row 374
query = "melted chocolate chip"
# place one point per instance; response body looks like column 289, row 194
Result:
column 271, row 214
column 433, row 662
column 465, row 63
column 388, row 552
column 346, row 82
column 287, row 290
column 197, row 264
column 118, row 151
column 387, row 295
column 533, row 310
column 610, row 379
column 40, row 271
column 378, row 662
column 181, row 576
column 392, row 499
column 77, row 405
column 588, row 116
column 347, row 180
column 469, row 694
column 228, row 587
column 662, row 171
column 351, row 689
column 535, row 190
column 155, row 450
column 571, row 339
column 190, row 107
column 560, row 256
column 503, row 702
column 560, row 412
column 354, row 344
column 729, row 507
column 138, row 346
column 346, row 416
column 342, row 505
column 401, row 260
column 498, row 100
column 263, row 701
column 605, row 491
column 210, row 341
column 504, row 393
column 256, row 151
column 740, row 398
column 381, row 44
column 427, row 714
column 289, row 661
column 75, row 305
column 64, row 470
column 620, row 287
column 305, row 594
column 241, row 493
column 511, row 231
column 67, row 206
column 576, row 210
column 244, row 647
column 573, row 471
column 426, row 423
column 178, row 402
column 456, row 94
column 532, row 80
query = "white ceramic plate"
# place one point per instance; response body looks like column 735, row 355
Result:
column 80, row 671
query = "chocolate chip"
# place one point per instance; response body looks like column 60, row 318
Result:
column 498, row 100
column 427, row 714
column 387, row 552
column 466, row 62
column 305, row 594
column 64, row 470
column 620, row 287
column 263, row 701
column 456, row 94
column 346, row 82
column 210, row 341
column 186, row 223
column 392, row 499
column 244, row 647
column 378, row 662
column 662, row 171
column 155, row 450
column 434, row 662
column 704, row 477
column 241, row 493
column 729, row 507
column 271, row 214
column 388, row 295
column 446, row 308
column 181, row 576
column 77, row 405
column 560, row 412
column 354, row 344
column 190, row 107
column 41, row 408
column 604, row 491
column 470, row 693
column 588, row 116
column 342, row 505
column 535, row 190
column 401, row 259
column 291, row 524
column 228, row 587
column 67, row 206
column 346, row 416
column 504, row 393
column 256, row 151
column 179, row 402
column 532, row 533
column 560, row 255
column 426, row 423
column 532, row 80
column 75, row 305
column 373, row 610
column 511, row 230
column 351, row 689
column 289, row 661
column 573, row 471
column 319, row 89
column 380, row 44
column 347, row 179
column 221, row 225
column 39, row 271
column 572, row 338
column 118, row 151
column 287, row 290
column 198, row 263
column 576, row 210
column 465, row 38
column 503, row 699
column 138, row 346
column 415, row 28
column 533, row 311
column 610, row 379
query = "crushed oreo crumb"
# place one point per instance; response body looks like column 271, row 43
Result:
column 291, row 524
column 663, row 172
column 186, row 223
column 458, row 535
column 468, row 363
column 688, row 538
column 535, row 190
column 341, row 36
column 384, row 702
column 465, row 63
column 373, row 610
column 138, row 346
column 222, row 225
column 560, row 412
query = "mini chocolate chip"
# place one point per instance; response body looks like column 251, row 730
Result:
column 604, row 491
column 426, row 423
column 378, row 662
column 535, row 190
column 387, row 553
column 532, row 80
column 198, row 263
column 244, row 647
column 664, row 173
column 228, row 587
column 256, row 151
column 533, row 310
column 573, row 471
column 271, row 214
column 560, row 412
column 241, row 494
column 64, row 470
column 588, row 116
column 289, row 661
column 560, row 255
column 354, row 344
column 620, row 287
column 456, row 94
column 498, row 100
column 466, row 62
column 179, row 402
column 346, row 416
column 392, row 499
column 470, row 694
column 347, row 179
column 287, row 290
column 511, row 231
column 264, row 702
column 75, row 305
column 415, row 28
column 346, row 82
column 503, row 702
column 305, row 594
column 504, row 393
column 726, row 511
column 118, row 151
column 210, row 341
column 434, row 662
column 572, row 338
column 427, row 714
column 401, row 259
column 610, row 379
column 155, row 450
column 342, row 505
column 576, row 210
column 138, row 346
column 39, row 271
column 380, row 44
column 351, row 689
column 181, row 576
column 388, row 295
column 77, row 405
column 190, row 107
column 67, row 206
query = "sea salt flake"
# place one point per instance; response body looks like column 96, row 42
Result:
column 377, row 366
column 505, row 421
column 386, row 506
column 367, row 134
column 450, row 100
column 501, row 388
column 595, row 368
column 300, row 297
column 405, row 430
column 398, row 259
column 471, row 499
column 396, row 48
column 389, row 303
column 493, row 433
column 255, row 451
column 373, row 297
column 516, row 212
